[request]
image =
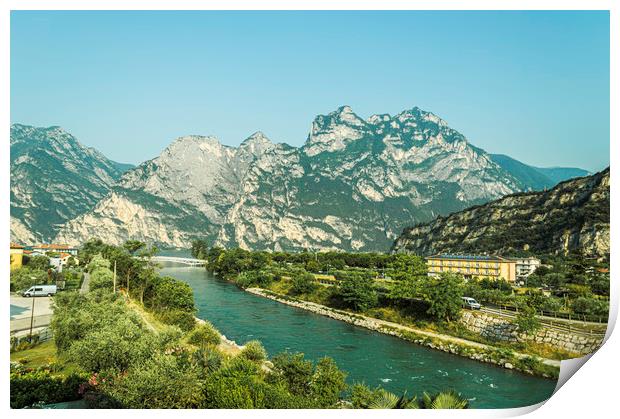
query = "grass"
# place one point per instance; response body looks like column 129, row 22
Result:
column 39, row 356
column 43, row 355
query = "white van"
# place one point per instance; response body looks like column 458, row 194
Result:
column 470, row 303
column 40, row 291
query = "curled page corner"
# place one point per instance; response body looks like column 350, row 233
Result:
column 569, row 367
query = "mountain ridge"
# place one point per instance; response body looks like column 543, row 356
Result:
column 572, row 216
column 353, row 185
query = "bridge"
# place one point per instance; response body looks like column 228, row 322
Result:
column 183, row 261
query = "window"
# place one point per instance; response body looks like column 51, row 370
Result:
column 38, row 289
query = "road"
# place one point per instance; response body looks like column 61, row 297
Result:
column 85, row 283
column 21, row 310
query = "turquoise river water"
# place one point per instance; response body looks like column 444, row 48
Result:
column 367, row 356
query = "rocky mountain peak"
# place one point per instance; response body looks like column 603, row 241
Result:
column 333, row 131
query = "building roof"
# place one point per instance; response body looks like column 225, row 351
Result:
column 53, row 246
column 16, row 246
column 470, row 257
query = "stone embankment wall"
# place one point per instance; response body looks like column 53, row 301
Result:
column 501, row 329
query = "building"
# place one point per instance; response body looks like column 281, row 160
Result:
column 17, row 256
column 55, row 248
column 526, row 266
column 473, row 266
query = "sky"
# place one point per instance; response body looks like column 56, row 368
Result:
column 532, row 85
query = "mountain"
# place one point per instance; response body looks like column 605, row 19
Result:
column 574, row 215
column 353, row 186
column 54, row 179
column 536, row 178
column 560, row 174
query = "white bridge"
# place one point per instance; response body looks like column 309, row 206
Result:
column 184, row 261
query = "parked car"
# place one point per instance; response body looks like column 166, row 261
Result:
column 470, row 303
column 40, row 291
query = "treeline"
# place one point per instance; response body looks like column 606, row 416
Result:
column 237, row 260
column 364, row 281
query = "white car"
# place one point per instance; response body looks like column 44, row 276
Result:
column 470, row 303
column 40, row 291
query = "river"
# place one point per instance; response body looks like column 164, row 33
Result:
column 367, row 356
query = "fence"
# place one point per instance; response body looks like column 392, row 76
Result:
column 38, row 336
column 557, row 315
column 23, row 323
column 548, row 323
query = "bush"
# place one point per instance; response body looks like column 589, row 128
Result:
column 161, row 383
column 113, row 347
column 208, row 359
column 185, row 320
column 254, row 351
column 204, row 334
column 101, row 279
column 303, row 284
column 42, row 386
column 171, row 294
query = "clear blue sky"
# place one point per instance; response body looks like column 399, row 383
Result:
column 533, row 85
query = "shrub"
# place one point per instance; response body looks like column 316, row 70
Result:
column 204, row 334
column 171, row 294
column 101, row 279
column 41, row 386
column 208, row 359
column 161, row 383
column 303, row 284
column 183, row 319
column 114, row 347
column 254, row 351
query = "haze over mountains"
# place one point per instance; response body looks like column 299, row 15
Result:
column 354, row 185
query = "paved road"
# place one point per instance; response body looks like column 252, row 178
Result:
column 85, row 283
column 21, row 306
column 21, row 310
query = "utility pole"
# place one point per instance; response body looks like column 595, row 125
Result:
column 32, row 309
column 114, row 277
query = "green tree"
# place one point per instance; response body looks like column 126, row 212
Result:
column 39, row 263
column 199, row 249
column 97, row 262
column 162, row 382
column 303, row 283
column 169, row 293
column 313, row 266
column 132, row 246
column 328, row 383
column 444, row 295
column 101, row 279
column 293, row 370
column 357, row 291
column 526, row 319
column 25, row 277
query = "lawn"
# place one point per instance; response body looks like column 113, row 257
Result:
column 38, row 356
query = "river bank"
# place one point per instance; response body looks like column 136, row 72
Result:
column 547, row 368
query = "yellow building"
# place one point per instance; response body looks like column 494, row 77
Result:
column 17, row 255
column 473, row 266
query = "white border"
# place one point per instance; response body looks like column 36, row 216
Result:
column 593, row 392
